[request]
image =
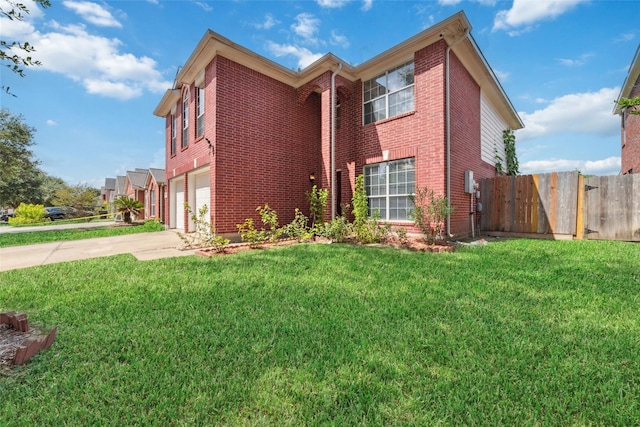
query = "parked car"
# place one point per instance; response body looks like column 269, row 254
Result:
column 5, row 217
column 65, row 212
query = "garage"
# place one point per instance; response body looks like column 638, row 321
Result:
column 176, row 208
column 200, row 195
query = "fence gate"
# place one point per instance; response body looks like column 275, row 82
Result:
column 612, row 207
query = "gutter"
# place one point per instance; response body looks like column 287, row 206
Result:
column 333, row 140
column 448, row 114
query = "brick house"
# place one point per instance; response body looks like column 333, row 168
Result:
column 154, row 194
column 630, row 123
column 242, row 131
column 135, row 186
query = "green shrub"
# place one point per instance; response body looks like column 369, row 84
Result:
column 153, row 226
column 28, row 214
column 429, row 213
column 205, row 233
column 270, row 218
column 317, row 199
column 367, row 229
column 297, row 229
column 338, row 230
column 249, row 233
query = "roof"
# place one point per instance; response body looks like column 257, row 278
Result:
column 109, row 183
column 454, row 30
column 157, row 175
column 120, row 181
column 632, row 80
column 137, row 178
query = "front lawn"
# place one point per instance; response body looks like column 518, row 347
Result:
column 33, row 237
column 518, row 332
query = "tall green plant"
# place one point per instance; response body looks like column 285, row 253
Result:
column 317, row 199
column 127, row 207
column 429, row 213
column 511, row 165
column 205, row 232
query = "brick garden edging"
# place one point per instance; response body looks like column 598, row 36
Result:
column 30, row 346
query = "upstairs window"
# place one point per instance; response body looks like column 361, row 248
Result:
column 185, row 119
column 174, row 134
column 199, row 112
column 389, row 186
column 389, row 94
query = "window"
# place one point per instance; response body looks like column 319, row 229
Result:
column 200, row 111
column 173, row 134
column 389, row 94
column 338, row 113
column 388, row 186
column 185, row 119
column 152, row 202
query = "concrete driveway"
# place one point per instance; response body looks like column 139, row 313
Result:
column 144, row 246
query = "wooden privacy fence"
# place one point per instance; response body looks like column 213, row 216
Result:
column 563, row 205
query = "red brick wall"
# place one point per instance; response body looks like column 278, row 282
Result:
column 631, row 138
column 267, row 144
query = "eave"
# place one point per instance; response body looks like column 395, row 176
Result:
column 630, row 81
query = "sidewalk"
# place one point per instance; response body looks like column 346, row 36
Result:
column 144, row 246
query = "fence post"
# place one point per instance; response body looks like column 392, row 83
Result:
column 580, row 209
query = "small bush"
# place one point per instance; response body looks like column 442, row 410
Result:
column 205, row 233
column 28, row 214
column 317, row 199
column 297, row 229
column 249, row 233
column 153, row 226
column 429, row 213
column 338, row 230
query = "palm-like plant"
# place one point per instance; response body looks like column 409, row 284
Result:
column 127, row 206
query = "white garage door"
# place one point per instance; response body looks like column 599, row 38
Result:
column 179, row 204
column 203, row 194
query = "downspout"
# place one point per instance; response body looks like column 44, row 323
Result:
column 448, row 142
column 333, row 141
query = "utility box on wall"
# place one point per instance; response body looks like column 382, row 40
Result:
column 469, row 183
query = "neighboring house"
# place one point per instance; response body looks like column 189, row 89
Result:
column 630, row 123
column 120, row 187
column 107, row 192
column 135, row 186
column 155, row 194
column 242, row 131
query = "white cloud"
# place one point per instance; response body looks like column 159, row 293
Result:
column 502, row 76
column 449, row 2
column 608, row 166
column 96, row 62
column 306, row 27
column 332, row 4
column 524, row 13
column 51, row 122
column 626, row 37
column 12, row 29
column 339, row 40
column 269, row 22
column 580, row 113
column 92, row 13
column 366, row 5
column 581, row 60
column 305, row 56
column 205, row 6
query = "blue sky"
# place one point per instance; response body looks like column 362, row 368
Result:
column 106, row 65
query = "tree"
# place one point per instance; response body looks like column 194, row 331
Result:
column 15, row 11
column 127, row 206
column 50, row 184
column 78, row 196
column 20, row 177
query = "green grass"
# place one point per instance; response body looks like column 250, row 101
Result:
column 516, row 333
column 32, row 237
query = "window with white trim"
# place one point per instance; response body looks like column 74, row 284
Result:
column 152, row 202
column 389, row 186
column 199, row 111
column 389, row 94
column 185, row 118
column 174, row 133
